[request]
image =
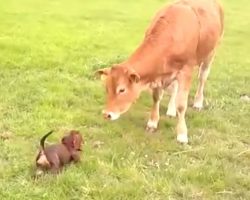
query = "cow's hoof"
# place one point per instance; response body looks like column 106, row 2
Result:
column 198, row 106
column 151, row 130
column 182, row 138
column 151, row 126
column 171, row 114
column 197, row 109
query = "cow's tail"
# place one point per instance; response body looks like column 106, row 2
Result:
column 221, row 13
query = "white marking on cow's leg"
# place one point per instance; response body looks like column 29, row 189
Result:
column 182, row 138
column 203, row 75
column 173, row 88
column 152, row 124
column 184, row 82
column 155, row 115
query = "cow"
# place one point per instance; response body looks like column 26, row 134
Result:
column 183, row 35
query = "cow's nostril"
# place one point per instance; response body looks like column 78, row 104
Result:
column 107, row 115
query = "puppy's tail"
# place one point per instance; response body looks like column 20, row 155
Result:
column 42, row 141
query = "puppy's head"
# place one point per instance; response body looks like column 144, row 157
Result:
column 73, row 141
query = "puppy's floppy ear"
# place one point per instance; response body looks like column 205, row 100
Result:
column 64, row 140
column 103, row 73
column 74, row 143
column 77, row 140
column 68, row 141
column 134, row 77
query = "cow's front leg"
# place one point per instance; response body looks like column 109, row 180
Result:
column 184, row 81
column 155, row 114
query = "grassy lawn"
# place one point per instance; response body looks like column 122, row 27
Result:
column 48, row 52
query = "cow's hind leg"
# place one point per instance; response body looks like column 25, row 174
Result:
column 155, row 114
column 203, row 75
column 172, row 89
column 184, row 81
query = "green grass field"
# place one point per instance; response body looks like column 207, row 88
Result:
column 48, row 52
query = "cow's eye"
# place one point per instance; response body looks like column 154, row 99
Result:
column 122, row 90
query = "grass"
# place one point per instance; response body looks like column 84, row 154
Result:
column 49, row 50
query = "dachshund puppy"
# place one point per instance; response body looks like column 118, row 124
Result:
column 53, row 157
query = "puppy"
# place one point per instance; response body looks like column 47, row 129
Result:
column 53, row 157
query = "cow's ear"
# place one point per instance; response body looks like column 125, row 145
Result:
column 134, row 77
column 102, row 73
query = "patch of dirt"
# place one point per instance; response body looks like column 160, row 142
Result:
column 5, row 135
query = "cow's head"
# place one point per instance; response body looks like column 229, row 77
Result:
column 122, row 89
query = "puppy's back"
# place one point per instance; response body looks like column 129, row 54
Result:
column 57, row 154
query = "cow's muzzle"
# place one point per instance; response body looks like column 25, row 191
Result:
column 110, row 115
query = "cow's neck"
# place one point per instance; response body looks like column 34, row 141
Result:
column 144, row 61
column 153, row 70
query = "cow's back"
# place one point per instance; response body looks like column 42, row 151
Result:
column 172, row 35
column 184, row 32
column 211, row 18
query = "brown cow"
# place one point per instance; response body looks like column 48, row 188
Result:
column 181, row 36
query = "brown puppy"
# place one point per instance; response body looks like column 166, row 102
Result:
column 54, row 157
